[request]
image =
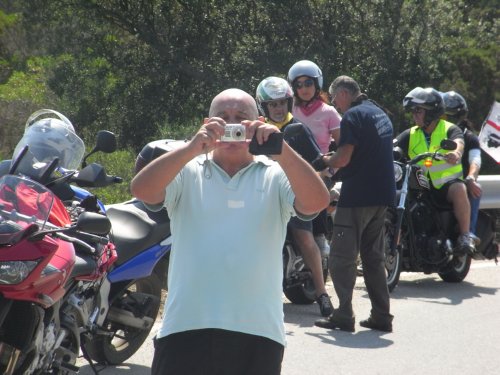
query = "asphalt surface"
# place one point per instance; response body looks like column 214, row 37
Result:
column 439, row 328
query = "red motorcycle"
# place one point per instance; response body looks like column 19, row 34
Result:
column 39, row 267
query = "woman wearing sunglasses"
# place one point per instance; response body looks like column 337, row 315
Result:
column 312, row 109
column 311, row 104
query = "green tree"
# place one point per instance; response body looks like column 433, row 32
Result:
column 148, row 69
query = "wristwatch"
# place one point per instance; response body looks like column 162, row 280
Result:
column 470, row 178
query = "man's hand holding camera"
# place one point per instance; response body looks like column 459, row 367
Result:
column 205, row 140
column 216, row 133
column 260, row 130
column 266, row 139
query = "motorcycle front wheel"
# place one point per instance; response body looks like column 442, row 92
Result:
column 303, row 293
column 456, row 270
column 122, row 341
column 393, row 259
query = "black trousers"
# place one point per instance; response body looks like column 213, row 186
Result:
column 360, row 230
column 216, row 352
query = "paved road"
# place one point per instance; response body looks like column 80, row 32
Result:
column 439, row 328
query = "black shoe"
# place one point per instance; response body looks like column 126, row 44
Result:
column 325, row 305
column 335, row 323
column 379, row 326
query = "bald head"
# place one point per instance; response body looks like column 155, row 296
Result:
column 234, row 100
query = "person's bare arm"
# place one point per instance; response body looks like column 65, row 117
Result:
column 335, row 134
column 340, row 158
column 311, row 194
column 455, row 156
column 150, row 183
column 473, row 186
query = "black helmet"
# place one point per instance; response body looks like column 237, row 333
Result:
column 154, row 149
column 428, row 99
column 455, row 105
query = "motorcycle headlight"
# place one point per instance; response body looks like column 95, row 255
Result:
column 398, row 172
column 14, row 272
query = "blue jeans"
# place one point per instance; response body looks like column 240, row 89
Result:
column 474, row 210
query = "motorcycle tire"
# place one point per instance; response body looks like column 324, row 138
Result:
column 456, row 270
column 393, row 261
column 125, row 341
column 305, row 293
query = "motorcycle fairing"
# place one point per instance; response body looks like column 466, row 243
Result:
column 140, row 266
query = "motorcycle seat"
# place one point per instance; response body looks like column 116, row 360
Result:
column 84, row 265
column 135, row 228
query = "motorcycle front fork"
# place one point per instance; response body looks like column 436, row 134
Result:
column 8, row 358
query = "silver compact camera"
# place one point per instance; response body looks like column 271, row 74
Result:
column 234, row 133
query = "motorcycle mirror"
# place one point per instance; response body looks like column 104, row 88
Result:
column 105, row 142
column 448, row 144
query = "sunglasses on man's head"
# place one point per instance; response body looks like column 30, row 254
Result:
column 305, row 83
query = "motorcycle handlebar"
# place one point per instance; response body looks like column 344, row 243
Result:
column 94, row 175
column 433, row 155
column 113, row 179
column 93, row 238
column 82, row 243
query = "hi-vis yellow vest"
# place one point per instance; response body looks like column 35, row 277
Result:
column 440, row 172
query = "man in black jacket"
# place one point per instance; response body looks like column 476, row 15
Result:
column 364, row 155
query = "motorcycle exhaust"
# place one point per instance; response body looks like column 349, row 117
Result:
column 128, row 319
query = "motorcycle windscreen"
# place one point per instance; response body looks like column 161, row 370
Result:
column 24, row 201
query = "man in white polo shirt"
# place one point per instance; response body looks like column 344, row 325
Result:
column 229, row 211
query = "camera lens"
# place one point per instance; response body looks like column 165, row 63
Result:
column 238, row 133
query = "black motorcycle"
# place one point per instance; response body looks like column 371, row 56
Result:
column 298, row 285
column 421, row 233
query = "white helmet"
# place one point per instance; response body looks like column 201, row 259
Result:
column 306, row 68
column 48, row 138
column 273, row 88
